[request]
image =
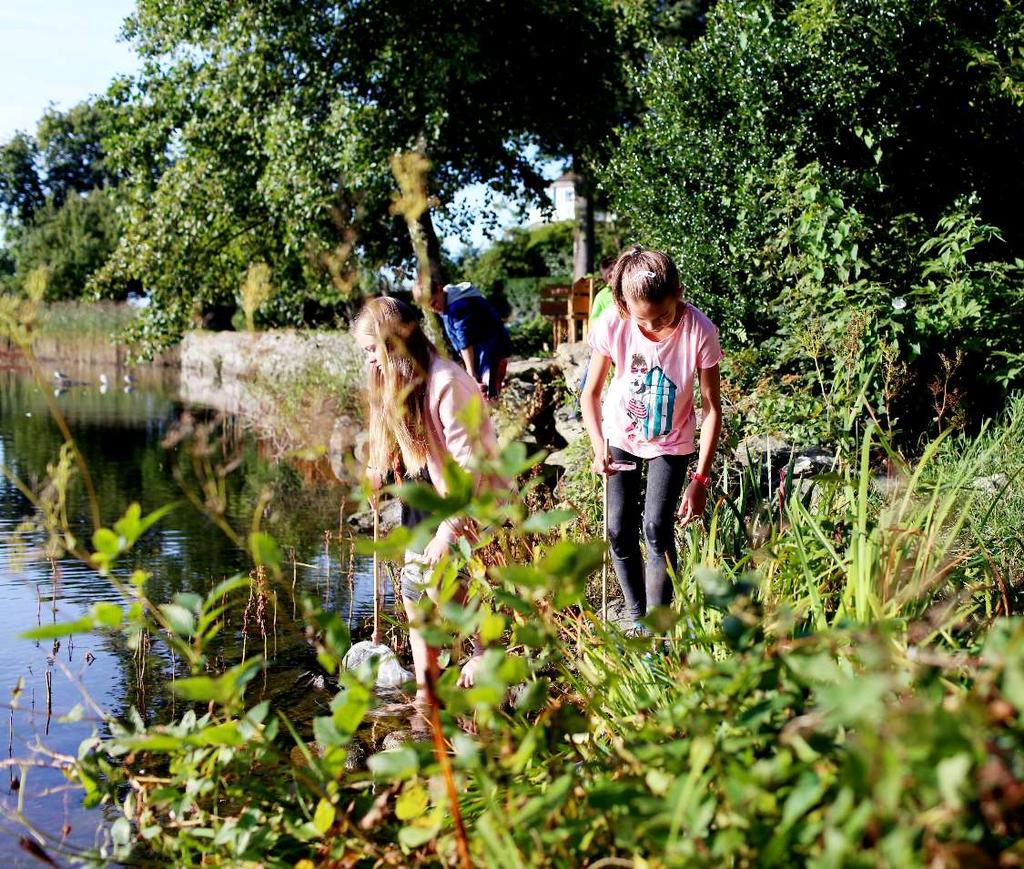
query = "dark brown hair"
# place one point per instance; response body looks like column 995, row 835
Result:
column 644, row 275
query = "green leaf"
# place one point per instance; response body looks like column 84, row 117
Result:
column 1013, row 682
column 350, row 707
column 109, row 615
column 420, row 496
column 265, row 550
column 224, row 689
column 52, row 632
column 492, row 626
column 541, row 523
column 128, row 526
column 952, row 776
column 326, row 733
column 323, row 817
column 533, row 697
column 521, row 575
column 219, row 734
column 659, row 781
column 808, row 790
column 179, row 619
column 223, row 588
column 415, row 837
column 121, row 831
column 395, row 764
column 412, row 802
column 471, row 415
column 106, row 542
column 74, row 714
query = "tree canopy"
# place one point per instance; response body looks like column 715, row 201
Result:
column 265, row 133
column 848, row 169
column 58, row 199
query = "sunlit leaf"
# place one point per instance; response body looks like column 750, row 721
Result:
column 395, row 764
column 323, row 817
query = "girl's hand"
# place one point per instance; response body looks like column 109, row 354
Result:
column 376, row 477
column 695, row 499
column 603, row 465
column 435, row 551
column 467, row 678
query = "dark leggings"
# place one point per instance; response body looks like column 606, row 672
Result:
column 645, row 587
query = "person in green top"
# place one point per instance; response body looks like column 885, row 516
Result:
column 602, row 300
column 604, row 296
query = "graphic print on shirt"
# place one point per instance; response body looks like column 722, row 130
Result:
column 650, row 400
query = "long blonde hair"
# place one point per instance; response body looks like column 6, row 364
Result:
column 397, row 389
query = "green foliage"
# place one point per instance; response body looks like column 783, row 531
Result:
column 21, row 191
column 256, row 290
column 280, row 125
column 807, row 699
column 805, row 162
column 514, row 269
column 60, row 200
column 73, row 240
column 71, row 150
column 545, row 251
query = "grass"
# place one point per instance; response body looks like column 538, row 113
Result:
column 78, row 333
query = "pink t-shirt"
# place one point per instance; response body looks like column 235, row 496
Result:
column 648, row 408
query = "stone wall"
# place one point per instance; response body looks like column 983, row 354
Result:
column 224, row 370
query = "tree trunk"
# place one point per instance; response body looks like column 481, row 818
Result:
column 427, row 248
column 583, row 232
column 428, row 273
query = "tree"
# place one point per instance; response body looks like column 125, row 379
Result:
column 800, row 157
column 280, row 121
column 72, row 240
column 21, row 189
column 888, row 98
column 71, row 150
column 58, row 195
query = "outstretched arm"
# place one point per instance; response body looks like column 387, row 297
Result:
column 590, row 406
column 696, row 495
column 470, row 360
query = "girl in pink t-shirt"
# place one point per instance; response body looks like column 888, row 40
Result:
column 658, row 342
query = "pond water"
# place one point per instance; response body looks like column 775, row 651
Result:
column 123, row 434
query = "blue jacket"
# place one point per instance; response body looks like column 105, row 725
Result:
column 471, row 321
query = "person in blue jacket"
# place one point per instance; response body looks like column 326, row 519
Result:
column 476, row 331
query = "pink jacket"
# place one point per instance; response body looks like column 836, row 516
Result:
column 450, row 389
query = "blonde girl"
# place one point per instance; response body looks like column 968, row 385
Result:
column 658, row 343
column 415, row 398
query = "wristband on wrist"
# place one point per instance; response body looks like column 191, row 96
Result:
column 703, row 479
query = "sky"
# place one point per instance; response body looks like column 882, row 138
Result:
column 61, row 52
column 57, row 51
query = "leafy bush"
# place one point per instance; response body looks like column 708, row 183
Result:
column 810, row 163
column 820, row 710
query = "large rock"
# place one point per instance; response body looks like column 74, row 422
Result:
column 813, row 460
column 390, row 673
column 758, row 449
column 573, row 358
column 569, row 422
column 390, row 518
column 533, row 389
column 275, row 355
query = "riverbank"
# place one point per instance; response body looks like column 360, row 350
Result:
column 83, row 334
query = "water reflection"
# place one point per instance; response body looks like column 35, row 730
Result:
column 119, row 434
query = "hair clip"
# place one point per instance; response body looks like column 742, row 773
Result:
column 650, row 275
